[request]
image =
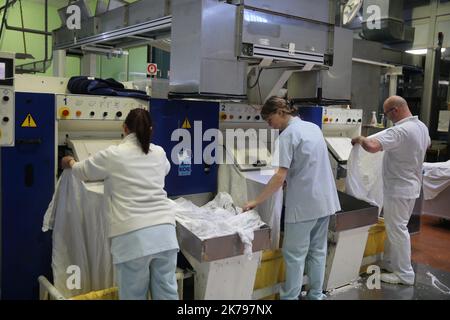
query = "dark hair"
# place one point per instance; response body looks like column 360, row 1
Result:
column 139, row 122
column 274, row 104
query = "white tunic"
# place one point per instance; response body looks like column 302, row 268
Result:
column 311, row 191
column 405, row 145
column 134, row 185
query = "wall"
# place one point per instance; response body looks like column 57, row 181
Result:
column 162, row 58
column 116, row 68
column 428, row 21
column 366, row 78
column 34, row 18
column 135, row 62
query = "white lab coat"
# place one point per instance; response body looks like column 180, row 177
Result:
column 134, row 184
column 404, row 145
column 311, row 191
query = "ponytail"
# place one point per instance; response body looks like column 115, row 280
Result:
column 274, row 104
column 139, row 122
column 293, row 110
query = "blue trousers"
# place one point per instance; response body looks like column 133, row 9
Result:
column 305, row 243
column 155, row 272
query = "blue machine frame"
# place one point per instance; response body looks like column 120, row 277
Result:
column 169, row 115
column 28, row 179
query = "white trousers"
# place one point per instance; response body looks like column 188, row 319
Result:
column 397, row 247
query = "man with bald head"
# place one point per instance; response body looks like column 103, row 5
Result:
column 405, row 145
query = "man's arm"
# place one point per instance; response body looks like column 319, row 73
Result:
column 275, row 183
column 371, row 145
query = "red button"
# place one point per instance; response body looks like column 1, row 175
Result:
column 65, row 113
column 78, row 113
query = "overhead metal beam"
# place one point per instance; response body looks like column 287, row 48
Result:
column 160, row 24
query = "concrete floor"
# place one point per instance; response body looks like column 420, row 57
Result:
column 422, row 290
column 430, row 253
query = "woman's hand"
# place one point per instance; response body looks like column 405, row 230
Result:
column 67, row 162
column 249, row 206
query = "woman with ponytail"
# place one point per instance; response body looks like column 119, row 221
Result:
column 311, row 197
column 144, row 246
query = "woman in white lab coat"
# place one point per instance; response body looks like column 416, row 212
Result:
column 141, row 218
column 311, row 197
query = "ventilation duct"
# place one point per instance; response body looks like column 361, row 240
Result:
column 391, row 27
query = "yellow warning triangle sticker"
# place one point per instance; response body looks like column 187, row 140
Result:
column 186, row 124
column 29, row 122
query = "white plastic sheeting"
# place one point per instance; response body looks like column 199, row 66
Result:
column 436, row 178
column 365, row 176
column 219, row 217
column 78, row 216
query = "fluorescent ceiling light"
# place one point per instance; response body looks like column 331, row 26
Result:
column 421, row 51
column 254, row 17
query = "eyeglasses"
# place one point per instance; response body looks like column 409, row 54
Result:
column 389, row 111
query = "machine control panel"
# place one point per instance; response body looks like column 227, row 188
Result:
column 342, row 116
column 7, row 104
column 239, row 112
column 88, row 107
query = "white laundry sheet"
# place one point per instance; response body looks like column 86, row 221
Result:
column 365, row 179
column 78, row 217
column 84, row 148
column 436, row 178
column 219, row 217
column 364, row 176
column 246, row 186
